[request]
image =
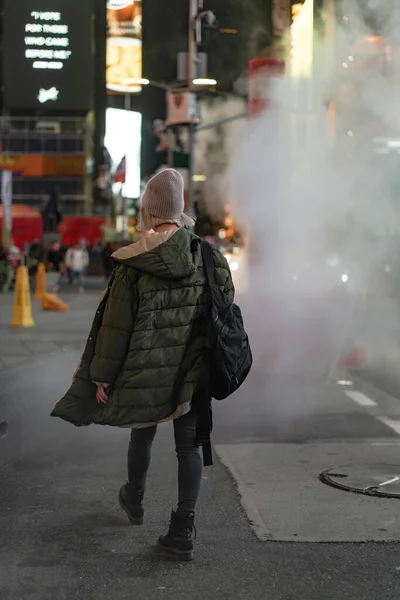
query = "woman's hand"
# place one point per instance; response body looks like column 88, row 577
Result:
column 102, row 394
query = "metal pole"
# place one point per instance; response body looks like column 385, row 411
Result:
column 192, row 57
column 223, row 121
column 171, row 143
column 170, row 149
column 125, row 224
column 192, row 49
column 100, row 102
column 190, row 208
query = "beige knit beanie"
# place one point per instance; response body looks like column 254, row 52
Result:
column 163, row 201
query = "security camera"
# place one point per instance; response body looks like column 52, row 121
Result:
column 211, row 19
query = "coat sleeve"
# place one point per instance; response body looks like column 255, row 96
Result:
column 113, row 339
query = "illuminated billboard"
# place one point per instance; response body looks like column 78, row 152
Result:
column 124, row 46
column 47, row 54
column 123, row 141
column 302, row 39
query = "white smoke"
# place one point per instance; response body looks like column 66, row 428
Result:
column 322, row 211
column 215, row 148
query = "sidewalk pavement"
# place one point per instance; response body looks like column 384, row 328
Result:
column 285, row 501
column 54, row 332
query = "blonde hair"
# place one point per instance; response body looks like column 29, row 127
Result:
column 148, row 221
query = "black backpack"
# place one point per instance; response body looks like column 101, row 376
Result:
column 230, row 357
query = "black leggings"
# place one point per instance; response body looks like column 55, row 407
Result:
column 190, row 464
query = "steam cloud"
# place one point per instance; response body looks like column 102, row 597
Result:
column 323, row 212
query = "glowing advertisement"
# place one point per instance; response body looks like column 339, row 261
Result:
column 48, row 58
column 123, row 140
column 302, row 40
column 124, row 46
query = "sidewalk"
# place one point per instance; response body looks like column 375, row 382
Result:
column 54, row 332
column 285, row 501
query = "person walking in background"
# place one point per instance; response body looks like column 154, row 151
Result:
column 77, row 260
column 36, row 255
column 106, row 257
column 146, row 353
column 6, row 271
column 37, row 252
column 56, row 261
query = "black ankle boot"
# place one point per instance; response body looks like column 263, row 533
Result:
column 178, row 542
column 132, row 504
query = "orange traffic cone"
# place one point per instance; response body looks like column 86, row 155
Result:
column 22, row 315
column 53, row 302
column 40, row 282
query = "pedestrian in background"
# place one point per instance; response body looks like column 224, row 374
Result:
column 56, row 261
column 146, row 353
column 77, row 260
column 6, row 272
column 36, row 255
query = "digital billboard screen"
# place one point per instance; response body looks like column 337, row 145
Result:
column 48, row 55
column 124, row 46
column 123, row 141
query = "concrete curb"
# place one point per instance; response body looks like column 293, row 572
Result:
column 253, row 515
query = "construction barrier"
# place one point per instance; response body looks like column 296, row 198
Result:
column 40, row 282
column 260, row 71
column 52, row 302
column 22, row 314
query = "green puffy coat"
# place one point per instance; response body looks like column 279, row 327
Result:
column 147, row 338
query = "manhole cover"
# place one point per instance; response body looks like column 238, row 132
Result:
column 371, row 480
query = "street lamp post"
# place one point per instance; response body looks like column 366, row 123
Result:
column 192, row 86
column 192, row 56
column 196, row 17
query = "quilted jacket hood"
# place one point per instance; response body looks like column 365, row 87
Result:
column 172, row 254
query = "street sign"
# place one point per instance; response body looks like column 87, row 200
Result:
column 181, row 109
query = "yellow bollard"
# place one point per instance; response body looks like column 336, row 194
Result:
column 40, row 281
column 22, row 315
column 53, row 302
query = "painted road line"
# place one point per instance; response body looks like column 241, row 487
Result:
column 360, row 398
column 385, row 444
column 395, row 425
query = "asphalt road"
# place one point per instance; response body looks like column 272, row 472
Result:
column 63, row 535
column 383, row 375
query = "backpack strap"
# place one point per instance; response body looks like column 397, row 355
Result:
column 208, row 260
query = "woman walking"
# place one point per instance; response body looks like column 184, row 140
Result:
column 145, row 353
